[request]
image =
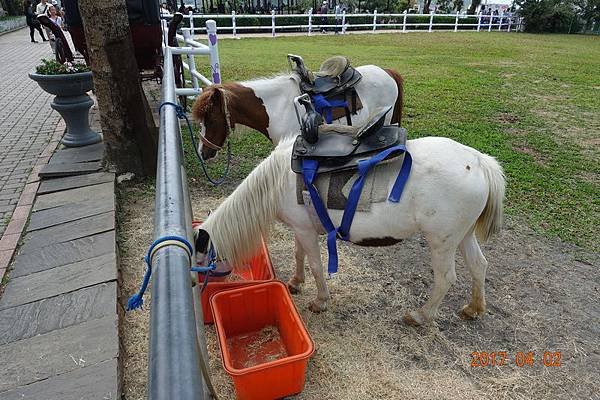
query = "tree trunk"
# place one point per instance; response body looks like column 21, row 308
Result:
column 130, row 135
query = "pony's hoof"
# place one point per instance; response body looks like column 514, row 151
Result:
column 413, row 318
column 317, row 306
column 293, row 289
column 470, row 313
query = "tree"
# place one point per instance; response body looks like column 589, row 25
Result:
column 473, row 7
column 548, row 15
column 458, row 5
column 127, row 124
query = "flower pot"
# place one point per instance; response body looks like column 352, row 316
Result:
column 72, row 103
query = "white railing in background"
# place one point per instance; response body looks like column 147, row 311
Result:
column 189, row 48
column 308, row 23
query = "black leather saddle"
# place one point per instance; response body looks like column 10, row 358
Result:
column 335, row 77
column 338, row 151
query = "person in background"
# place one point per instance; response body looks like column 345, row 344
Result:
column 57, row 20
column 164, row 9
column 324, row 16
column 42, row 8
column 32, row 22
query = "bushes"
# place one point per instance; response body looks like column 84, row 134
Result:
column 549, row 16
column 12, row 7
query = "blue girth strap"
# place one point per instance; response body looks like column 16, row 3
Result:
column 323, row 105
column 310, row 171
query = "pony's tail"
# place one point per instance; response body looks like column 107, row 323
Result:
column 398, row 106
column 490, row 220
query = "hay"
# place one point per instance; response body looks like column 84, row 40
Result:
column 364, row 351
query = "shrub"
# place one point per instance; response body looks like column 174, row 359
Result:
column 53, row 67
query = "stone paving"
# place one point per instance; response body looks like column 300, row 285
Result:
column 26, row 120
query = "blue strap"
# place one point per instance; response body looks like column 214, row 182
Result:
column 364, row 166
column 323, row 105
column 181, row 115
column 310, row 170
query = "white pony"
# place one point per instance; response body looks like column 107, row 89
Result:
column 453, row 193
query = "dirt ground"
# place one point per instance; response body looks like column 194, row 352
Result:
column 542, row 295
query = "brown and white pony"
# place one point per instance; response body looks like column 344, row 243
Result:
column 266, row 105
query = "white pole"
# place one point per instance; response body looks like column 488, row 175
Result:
column 215, row 67
column 374, row 20
column 404, row 21
column 190, row 59
column 500, row 24
column 336, row 13
column 456, row 23
column 490, row 19
column 233, row 23
column 309, row 21
column 431, row 21
column 191, row 14
column 273, row 23
column 509, row 22
column 479, row 21
column 343, row 22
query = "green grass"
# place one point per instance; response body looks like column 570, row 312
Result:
column 532, row 101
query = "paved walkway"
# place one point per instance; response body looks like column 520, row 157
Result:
column 26, row 120
column 58, row 305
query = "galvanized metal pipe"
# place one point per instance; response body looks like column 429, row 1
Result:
column 174, row 370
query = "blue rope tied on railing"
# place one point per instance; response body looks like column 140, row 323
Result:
column 137, row 300
column 182, row 115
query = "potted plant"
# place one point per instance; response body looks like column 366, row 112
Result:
column 69, row 82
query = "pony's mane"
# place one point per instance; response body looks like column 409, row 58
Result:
column 238, row 224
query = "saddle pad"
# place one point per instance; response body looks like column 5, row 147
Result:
column 335, row 187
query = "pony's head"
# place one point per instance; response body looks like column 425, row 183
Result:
column 205, row 253
column 211, row 111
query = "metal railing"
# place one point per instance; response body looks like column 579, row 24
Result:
column 309, row 23
column 177, row 342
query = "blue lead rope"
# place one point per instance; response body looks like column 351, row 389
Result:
column 310, row 171
column 137, row 300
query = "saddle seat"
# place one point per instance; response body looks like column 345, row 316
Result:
column 340, row 148
column 334, row 77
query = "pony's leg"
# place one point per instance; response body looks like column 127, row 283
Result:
column 477, row 264
column 444, row 276
column 297, row 280
column 309, row 240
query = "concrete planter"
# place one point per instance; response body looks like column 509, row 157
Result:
column 72, row 103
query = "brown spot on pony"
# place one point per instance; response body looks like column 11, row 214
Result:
column 397, row 114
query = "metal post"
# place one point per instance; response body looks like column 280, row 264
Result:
column 479, row 21
column 509, row 22
column 233, row 23
column 374, row 20
column 491, row 18
column 191, row 15
column 215, row 67
column 500, row 24
column 456, row 23
column 431, row 21
column 191, row 60
column 174, row 361
column 404, row 21
column 310, row 21
column 336, row 12
column 273, row 23
column 343, row 22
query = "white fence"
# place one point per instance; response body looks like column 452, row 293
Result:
column 188, row 48
column 341, row 22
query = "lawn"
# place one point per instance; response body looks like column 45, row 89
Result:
column 532, row 101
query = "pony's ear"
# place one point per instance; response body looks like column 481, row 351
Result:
column 210, row 98
column 201, row 241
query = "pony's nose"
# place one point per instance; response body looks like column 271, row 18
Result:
column 208, row 153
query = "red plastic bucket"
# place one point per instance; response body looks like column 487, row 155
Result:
column 258, row 270
column 264, row 344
